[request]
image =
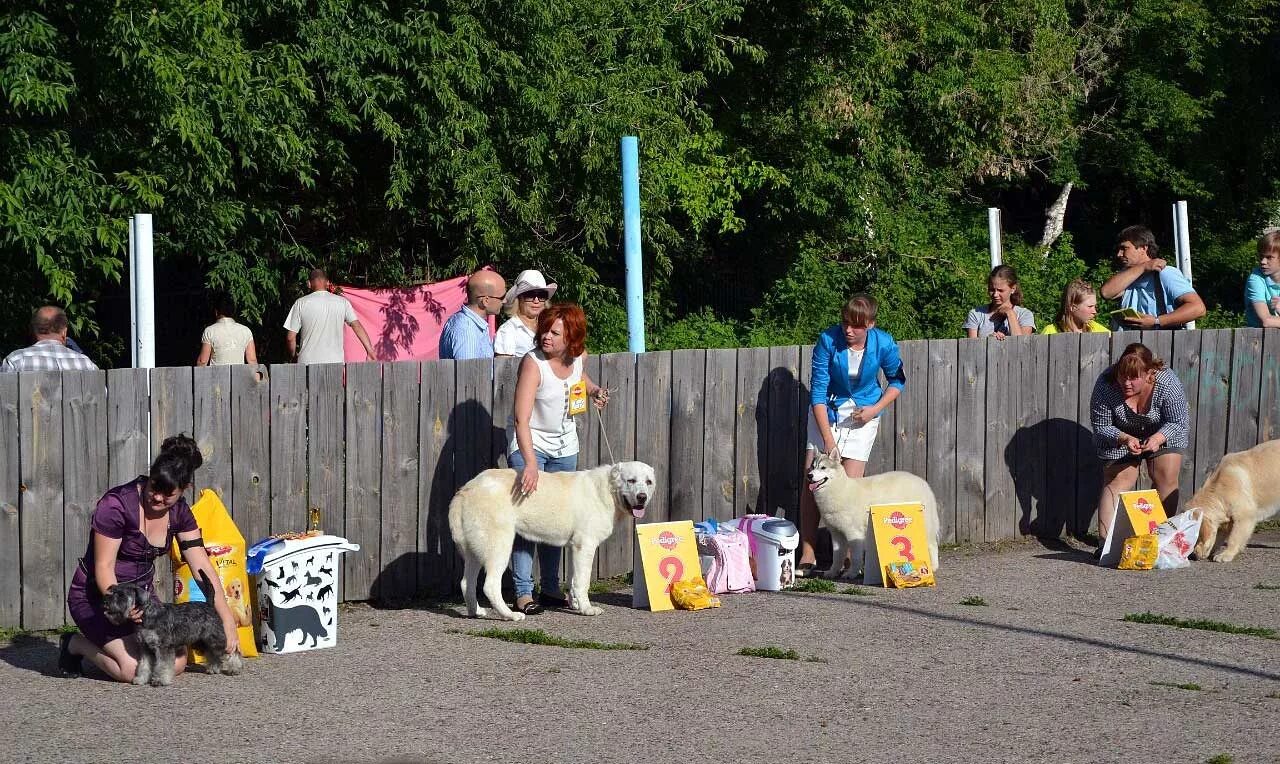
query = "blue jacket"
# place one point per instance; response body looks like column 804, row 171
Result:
column 830, row 382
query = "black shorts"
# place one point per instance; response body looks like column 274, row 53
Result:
column 1125, row 461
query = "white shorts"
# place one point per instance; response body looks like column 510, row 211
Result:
column 852, row 441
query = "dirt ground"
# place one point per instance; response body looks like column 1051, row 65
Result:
column 1046, row 670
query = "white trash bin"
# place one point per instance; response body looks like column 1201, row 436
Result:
column 773, row 550
column 297, row 582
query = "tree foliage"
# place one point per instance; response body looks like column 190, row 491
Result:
column 790, row 152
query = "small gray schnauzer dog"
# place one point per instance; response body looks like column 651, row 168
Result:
column 165, row 628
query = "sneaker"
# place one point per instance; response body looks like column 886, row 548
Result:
column 68, row 662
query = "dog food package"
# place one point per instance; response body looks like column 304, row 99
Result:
column 908, row 575
column 1177, row 537
column 1139, row 552
column 225, row 546
column 693, row 594
column 297, row 575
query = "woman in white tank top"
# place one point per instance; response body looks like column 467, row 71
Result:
column 551, row 387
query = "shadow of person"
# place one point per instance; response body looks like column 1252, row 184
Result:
column 32, row 653
column 780, row 438
column 432, row 574
column 1056, row 478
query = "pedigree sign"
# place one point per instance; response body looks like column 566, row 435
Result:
column 668, row 553
column 899, row 534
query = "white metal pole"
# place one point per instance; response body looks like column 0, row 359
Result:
column 1177, row 237
column 144, row 338
column 993, row 236
column 133, row 293
column 1184, row 243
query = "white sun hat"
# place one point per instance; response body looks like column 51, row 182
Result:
column 529, row 281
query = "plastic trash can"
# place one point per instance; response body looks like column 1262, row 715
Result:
column 773, row 550
column 297, row 583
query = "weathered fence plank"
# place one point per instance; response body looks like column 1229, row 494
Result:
column 128, row 439
column 884, row 452
column 688, row 385
column 84, row 448
column 940, row 433
column 326, row 447
column 250, row 503
column 1029, row 370
column 781, row 478
column 751, row 430
column 172, row 413
column 10, row 501
column 1065, row 435
column 41, row 468
column 1246, row 380
column 437, row 441
column 1002, row 406
column 211, row 397
column 617, row 372
column 289, row 448
column 364, row 477
column 1186, row 364
column 719, row 447
column 911, row 425
column 398, row 573
column 971, row 429
column 1095, row 357
column 1211, row 414
column 505, row 371
column 654, row 423
column 1269, row 398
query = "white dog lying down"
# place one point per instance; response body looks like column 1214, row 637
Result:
column 574, row 509
column 1243, row 491
column 843, row 503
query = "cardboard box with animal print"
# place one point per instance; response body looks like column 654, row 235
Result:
column 297, row 582
column 224, row 544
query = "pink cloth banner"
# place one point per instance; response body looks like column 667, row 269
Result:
column 404, row 324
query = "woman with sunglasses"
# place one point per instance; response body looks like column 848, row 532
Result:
column 524, row 302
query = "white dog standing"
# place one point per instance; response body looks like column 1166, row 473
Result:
column 844, row 502
column 574, row 509
column 1243, row 491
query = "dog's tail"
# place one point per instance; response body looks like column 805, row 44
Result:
column 206, row 586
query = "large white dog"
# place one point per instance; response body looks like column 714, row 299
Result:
column 573, row 509
column 844, row 502
column 1243, row 491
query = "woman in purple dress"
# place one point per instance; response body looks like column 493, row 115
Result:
column 132, row 525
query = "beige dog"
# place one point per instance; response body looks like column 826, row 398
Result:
column 1243, row 491
column 574, row 509
column 844, row 502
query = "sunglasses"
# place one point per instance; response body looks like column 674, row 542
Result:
column 538, row 295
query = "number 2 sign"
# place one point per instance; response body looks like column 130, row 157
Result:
column 668, row 552
column 898, row 536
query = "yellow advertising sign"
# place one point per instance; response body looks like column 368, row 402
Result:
column 899, row 537
column 668, row 553
column 1142, row 512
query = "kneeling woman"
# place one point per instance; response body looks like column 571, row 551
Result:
column 846, row 401
column 132, row 525
column 551, row 387
column 1139, row 413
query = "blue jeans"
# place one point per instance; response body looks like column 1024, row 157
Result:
column 522, row 550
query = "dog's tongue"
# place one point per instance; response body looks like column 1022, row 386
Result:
column 814, row 486
column 637, row 512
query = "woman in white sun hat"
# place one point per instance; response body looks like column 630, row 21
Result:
column 525, row 301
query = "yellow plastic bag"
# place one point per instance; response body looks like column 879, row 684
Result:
column 693, row 594
column 225, row 546
column 1139, row 552
column 908, row 575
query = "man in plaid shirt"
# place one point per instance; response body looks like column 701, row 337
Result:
column 50, row 353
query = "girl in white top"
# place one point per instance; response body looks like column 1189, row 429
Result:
column 551, row 387
column 226, row 342
column 523, row 304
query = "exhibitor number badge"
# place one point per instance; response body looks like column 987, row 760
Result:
column 577, row 398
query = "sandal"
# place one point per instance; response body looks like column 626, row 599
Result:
column 808, row 570
column 529, row 608
column 68, row 662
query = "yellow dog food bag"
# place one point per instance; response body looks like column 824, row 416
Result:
column 225, row 546
column 1140, row 552
column 693, row 594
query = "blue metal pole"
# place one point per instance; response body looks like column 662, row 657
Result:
column 631, row 237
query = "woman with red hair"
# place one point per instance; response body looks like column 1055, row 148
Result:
column 551, row 388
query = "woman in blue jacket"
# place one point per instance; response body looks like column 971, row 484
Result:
column 846, row 400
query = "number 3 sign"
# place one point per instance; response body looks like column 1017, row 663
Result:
column 899, row 537
column 668, row 553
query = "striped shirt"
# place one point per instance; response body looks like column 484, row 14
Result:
column 1167, row 414
column 465, row 335
column 47, row 355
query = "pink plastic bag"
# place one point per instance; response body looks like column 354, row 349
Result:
column 730, row 552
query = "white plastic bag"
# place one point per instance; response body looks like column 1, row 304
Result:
column 1177, row 537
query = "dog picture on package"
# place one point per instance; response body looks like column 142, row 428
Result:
column 125, row 632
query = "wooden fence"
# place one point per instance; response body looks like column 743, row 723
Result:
column 999, row 428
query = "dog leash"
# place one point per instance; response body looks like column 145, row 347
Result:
column 603, row 433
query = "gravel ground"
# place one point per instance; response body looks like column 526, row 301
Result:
column 1046, row 671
